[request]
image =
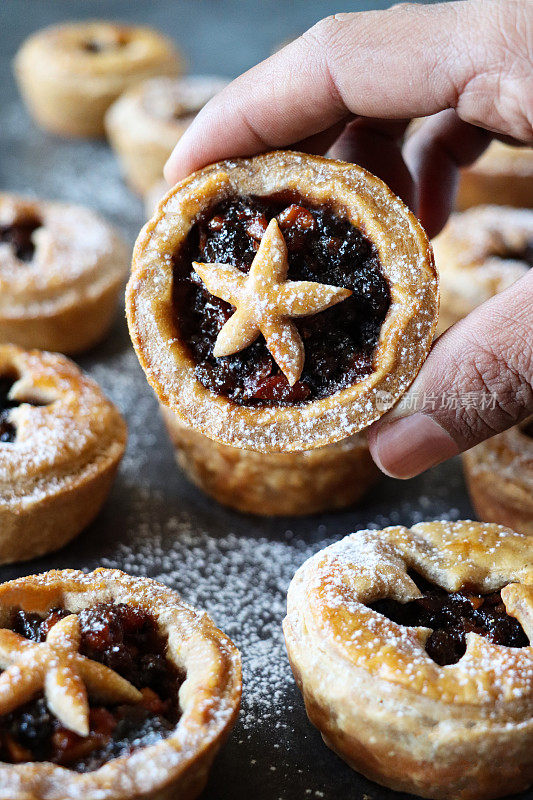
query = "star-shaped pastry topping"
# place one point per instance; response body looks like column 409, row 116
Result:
column 66, row 677
column 265, row 300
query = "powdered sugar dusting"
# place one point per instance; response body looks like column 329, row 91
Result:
column 329, row 599
column 238, row 568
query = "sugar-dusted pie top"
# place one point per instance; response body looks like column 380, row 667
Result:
column 100, row 50
column 509, row 456
column 79, row 689
column 60, row 425
column 333, row 598
column 165, row 341
column 54, row 254
column 491, row 237
column 163, row 106
column 481, row 252
column 208, row 698
column 501, row 158
column 179, row 98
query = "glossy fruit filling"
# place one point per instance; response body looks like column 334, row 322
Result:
column 126, row 639
column 324, row 247
column 19, row 236
column 451, row 615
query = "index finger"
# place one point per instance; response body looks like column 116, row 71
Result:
column 406, row 62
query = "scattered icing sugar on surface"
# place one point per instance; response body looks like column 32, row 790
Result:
column 236, row 567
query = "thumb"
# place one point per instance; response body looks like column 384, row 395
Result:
column 476, row 382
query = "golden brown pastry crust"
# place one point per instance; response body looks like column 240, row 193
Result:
column 406, row 334
column 503, row 176
column 474, row 256
column 499, row 477
column 463, row 731
column 56, row 475
column 145, row 123
column 275, row 484
column 209, row 698
column 69, row 74
column 65, row 298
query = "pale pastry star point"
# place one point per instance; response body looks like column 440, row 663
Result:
column 64, row 675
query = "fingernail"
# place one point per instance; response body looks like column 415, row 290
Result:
column 405, row 447
column 167, row 171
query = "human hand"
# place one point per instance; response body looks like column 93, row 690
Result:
column 354, row 81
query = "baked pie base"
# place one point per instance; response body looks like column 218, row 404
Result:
column 177, row 766
column 56, row 474
column 503, row 175
column 406, row 334
column 459, row 731
column 499, row 477
column 64, row 297
column 480, row 253
column 274, row 484
column 70, row 74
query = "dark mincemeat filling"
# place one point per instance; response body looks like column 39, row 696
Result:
column 7, row 429
column 180, row 113
column 94, row 46
column 339, row 342
column 127, row 640
column 20, row 237
column 525, row 254
column 451, row 615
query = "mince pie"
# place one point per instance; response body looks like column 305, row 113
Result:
column 499, row 476
column 112, row 688
column 503, row 175
column 412, row 650
column 275, row 484
column 62, row 268
column 61, row 441
column 479, row 253
column 145, row 123
column 69, row 74
column 281, row 302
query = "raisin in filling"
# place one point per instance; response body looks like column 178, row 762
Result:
column 527, row 429
column 451, row 615
column 8, row 431
column 93, row 46
column 127, row 640
column 323, row 247
column 525, row 254
column 19, row 236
